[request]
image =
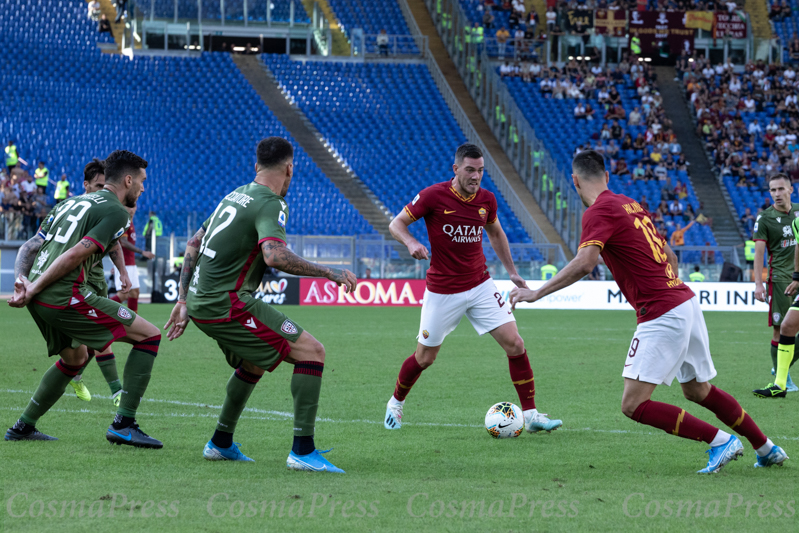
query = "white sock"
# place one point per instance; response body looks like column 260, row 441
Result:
column 721, row 438
column 393, row 402
column 531, row 412
column 765, row 449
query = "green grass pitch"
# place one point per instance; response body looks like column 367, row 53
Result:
column 440, row 472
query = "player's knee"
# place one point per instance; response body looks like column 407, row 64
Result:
column 317, row 351
column 516, row 347
column 133, row 293
column 789, row 328
column 629, row 406
column 252, row 369
column 426, row 359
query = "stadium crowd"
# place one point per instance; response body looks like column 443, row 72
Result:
column 24, row 201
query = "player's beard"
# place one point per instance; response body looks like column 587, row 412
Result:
column 130, row 198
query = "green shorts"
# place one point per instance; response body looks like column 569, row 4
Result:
column 778, row 303
column 254, row 331
column 99, row 290
column 88, row 319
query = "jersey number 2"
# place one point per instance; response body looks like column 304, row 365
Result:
column 231, row 212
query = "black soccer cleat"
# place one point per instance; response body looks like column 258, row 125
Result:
column 772, row 391
column 14, row 434
column 132, row 436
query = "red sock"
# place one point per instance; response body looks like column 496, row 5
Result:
column 409, row 373
column 728, row 410
column 674, row 420
column 115, row 297
column 133, row 304
column 522, row 376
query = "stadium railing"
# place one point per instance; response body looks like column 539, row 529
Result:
column 399, row 46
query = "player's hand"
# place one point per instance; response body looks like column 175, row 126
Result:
column 124, row 281
column 178, row 320
column 792, row 288
column 148, row 255
column 760, row 293
column 418, row 251
column 519, row 281
column 20, row 291
column 343, row 277
column 522, row 295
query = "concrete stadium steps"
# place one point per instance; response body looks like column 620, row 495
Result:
column 758, row 14
column 341, row 45
column 117, row 28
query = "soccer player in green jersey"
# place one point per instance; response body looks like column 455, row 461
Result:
column 72, row 317
column 93, row 181
column 772, row 232
column 223, row 264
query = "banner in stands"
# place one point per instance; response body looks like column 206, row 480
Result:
column 729, row 25
column 605, row 295
column 610, row 22
column 701, row 20
column 281, row 291
column 585, row 17
column 661, row 33
column 369, row 292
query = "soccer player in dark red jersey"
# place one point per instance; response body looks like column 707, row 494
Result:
column 456, row 213
column 671, row 338
column 130, row 298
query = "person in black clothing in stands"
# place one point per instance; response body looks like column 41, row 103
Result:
column 104, row 25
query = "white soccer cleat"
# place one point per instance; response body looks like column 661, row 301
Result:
column 393, row 419
column 535, row 422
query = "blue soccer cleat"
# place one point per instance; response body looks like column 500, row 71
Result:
column 790, row 385
column 776, row 456
column 535, row 422
column 212, row 452
column 313, row 462
column 132, row 436
column 722, row 454
column 393, row 419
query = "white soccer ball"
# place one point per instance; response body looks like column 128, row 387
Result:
column 504, row 420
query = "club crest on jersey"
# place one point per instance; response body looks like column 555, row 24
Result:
column 482, row 212
column 288, row 327
column 281, row 219
column 42, row 258
column 124, row 314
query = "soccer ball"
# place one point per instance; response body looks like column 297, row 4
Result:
column 504, row 420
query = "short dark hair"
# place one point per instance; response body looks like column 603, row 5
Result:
column 273, row 151
column 121, row 163
column 589, row 164
column 92, row 169
column 778, row 176
column 472, row 151
column 696, row 268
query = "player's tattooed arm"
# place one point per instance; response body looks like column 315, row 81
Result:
column 277, row 255
column 26, row 255
column 189, row 263
column 63, row 265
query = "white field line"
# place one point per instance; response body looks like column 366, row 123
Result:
column 282, row 416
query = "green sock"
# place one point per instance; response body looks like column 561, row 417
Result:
column 50, row 389
column 795, row 354
column 239, row 387
column 108, row 366
column 305, row 386
column 785, row 356
column 136, row 375
column 774, row 356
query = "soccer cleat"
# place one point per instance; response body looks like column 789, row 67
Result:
column 116, row 397
column 212, row 452
column 722, row 454
column 13, row 434
column 776, row 456
column 313, row 462
column 771, row 391
column 535, row 422
column 393, row 418
column 790, row 385
column 81, row 391
column 132, row 436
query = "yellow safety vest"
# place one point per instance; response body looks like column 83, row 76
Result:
column 559, row 202
column 749, row 250
column 467, row 35
column 544, row 181
column 40, row 175
column 635, row 45
column 61, row 190
column 548, row 271
column 158, row 227
column 478, row 34
column 12, row 158
column 696, row 276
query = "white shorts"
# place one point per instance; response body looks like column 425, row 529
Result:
column 133, row 274
column 441, row 313
column 672, row 345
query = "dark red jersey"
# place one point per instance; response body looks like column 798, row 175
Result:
column 455, row 227
column 130, row 255
column 634, row 253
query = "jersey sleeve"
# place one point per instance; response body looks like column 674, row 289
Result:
column 420, row 205
column 492, row 210
column 598, row 226
column 46, row 223
column 795, row 228
column 110, row 227
column 271, row 222
column 760, row 230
